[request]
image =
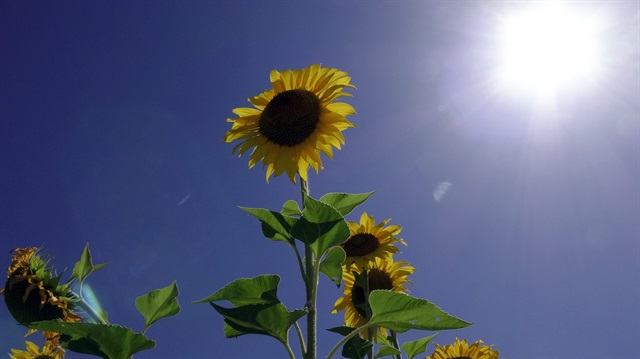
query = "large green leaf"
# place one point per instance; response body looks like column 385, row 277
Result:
column 158, row 304
column 290, row 208
column 258, row 290
column 85, row 266
column 275, row 226
column 345, row 202
column 321, row 226
column 106, row 341
column 271, row 319
column 401, row 312
column 417, row 347
column 356, row 347
column 331, row 265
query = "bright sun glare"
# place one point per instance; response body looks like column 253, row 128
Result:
column 548, row 47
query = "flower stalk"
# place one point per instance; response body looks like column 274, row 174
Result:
column 311, row 276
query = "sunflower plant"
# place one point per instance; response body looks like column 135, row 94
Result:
column 288, row 129
column 36, row 298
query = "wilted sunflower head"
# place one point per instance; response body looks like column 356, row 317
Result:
column 33, row 293
column 33, row 352
column 381, row 274
column 460, row 349
column 293, row 122
column 369, row 241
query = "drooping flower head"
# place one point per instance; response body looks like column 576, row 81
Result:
column 33, row 352
column 369, row 241
column 381, row 274
column 294, row 122
column 460, row 349
column 33, row 293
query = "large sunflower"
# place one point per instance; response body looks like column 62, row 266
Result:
column 295, row 121
column 33, row 352
column 33, row 293
column 382, row 275
column 369, row 241
column 461, row 350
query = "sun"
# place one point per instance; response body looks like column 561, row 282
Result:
column 549, row 47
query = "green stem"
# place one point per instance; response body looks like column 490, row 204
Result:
column 346, row 339
column 289, row 350
column 301, row 266
column 311, row 305
column 396, row 343
column 312, row 283
column 301, row 338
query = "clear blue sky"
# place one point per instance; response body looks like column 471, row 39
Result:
column 112, row 113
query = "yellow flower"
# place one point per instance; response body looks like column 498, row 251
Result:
column 32, row 293
column 295, row 121
column 462, row 350
column 33, row 352
column 369, row 241
column 382, row 275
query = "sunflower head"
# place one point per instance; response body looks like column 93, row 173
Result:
column 380, row 274
column 369, row 241
column 33, row 352
column 460, row 349
column 292, row 123
column 33, row 292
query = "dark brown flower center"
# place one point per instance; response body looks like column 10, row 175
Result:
column 29, row 310
column 43, row 356
column 290, row 117
column 377, row 280
column 360, row 244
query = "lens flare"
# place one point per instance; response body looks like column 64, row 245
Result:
column 90, row 297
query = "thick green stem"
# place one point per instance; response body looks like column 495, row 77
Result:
column 312, row 284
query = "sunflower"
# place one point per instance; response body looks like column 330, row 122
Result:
column 369, row 241
column 33, row 352
column 381, row 275
column 293, row 122
column 32, row 292
column 462, row 350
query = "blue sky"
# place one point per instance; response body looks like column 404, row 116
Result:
column 112, row 118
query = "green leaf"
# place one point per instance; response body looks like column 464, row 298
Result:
column 356, row 347
column 321, row 226
column 158, row 304
column 275, row 226
column 291, row 208
column 331, row 265
column 106, row 341
column 401, row 312
column 345, row 202
column 387, row 350
column 271, row 319
column 417, row 347
column 258, row 290
column 84, row 266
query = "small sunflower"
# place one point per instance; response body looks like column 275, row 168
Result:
column 33, row 352
column 295, row 121
column 33, row 293
column 461, row 350
column 369, row 241
column 382, row 275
